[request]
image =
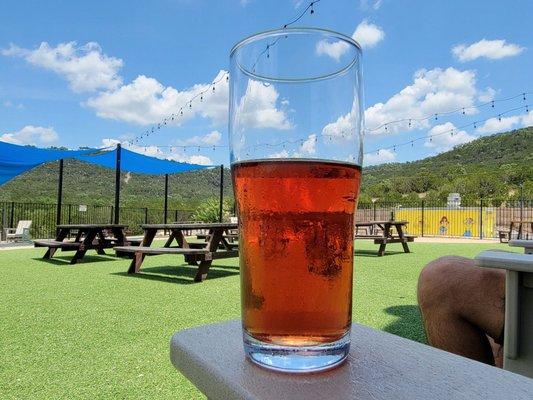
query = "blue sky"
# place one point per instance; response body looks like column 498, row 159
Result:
column 89, row 73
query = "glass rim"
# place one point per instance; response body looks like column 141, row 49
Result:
column 297, row 30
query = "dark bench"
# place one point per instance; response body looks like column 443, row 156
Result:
column 192, row 256
column 56, row 244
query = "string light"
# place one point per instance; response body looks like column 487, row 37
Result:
column 446, row 113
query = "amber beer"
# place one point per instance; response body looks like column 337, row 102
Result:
column 296, row 251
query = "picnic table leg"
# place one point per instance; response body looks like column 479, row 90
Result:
column 101, row 242
column 171, row 237
column 203, row 269
column 118, row 233
column 386, row 234
column 182, row 242
column 138, row 258
column 62, row 234
column 402, row 238
column 216, row 236
column 86, row 245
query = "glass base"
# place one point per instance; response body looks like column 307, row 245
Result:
column 301, row 359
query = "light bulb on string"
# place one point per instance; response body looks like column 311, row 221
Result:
column 436, row 117
column 190, row 104
column 312, row 10
column 527, row 108
column 181, row 111
column 464, row 111
column 202, row 98
column 492, row 103
column 213, row 88
column 500, row 117
column 524, row 96
column 409, row 123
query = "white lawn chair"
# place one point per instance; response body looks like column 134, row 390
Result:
column 518, row 335
column 21, row 233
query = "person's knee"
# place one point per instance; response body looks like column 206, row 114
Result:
column 437, row 283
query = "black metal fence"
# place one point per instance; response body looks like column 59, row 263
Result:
column 43, row 216
column 480, row 219
column 483, row 218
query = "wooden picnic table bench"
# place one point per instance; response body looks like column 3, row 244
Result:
column 379, row 366
column 199, row 254
column 506, row 234
column 87, row 237
column 385, row 235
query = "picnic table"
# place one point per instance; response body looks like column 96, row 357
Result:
column 200, row 254
column 87, row 236
column 379, row 366
column 385, row 234
column 506, row 235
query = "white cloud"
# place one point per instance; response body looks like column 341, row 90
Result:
column 495, row 125
column 280, row 154
column 309, row 145
column 31, row 135
column 211, row 138
column 257, row 108
column 334, row 50
column 368, row 35
column 307, row 148
column 374, row 4
column 154, row 151
column 434, row 91
column 297, row 3
column 446, row 136
column 86, row 67
column 527, row 119
column 7, row 103
column 380, row 157
column 487, row 95
column 491, row 49
column 146, row 101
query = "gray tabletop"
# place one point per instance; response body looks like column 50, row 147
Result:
column 380, row 366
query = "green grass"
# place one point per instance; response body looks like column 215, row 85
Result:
column 91, row 331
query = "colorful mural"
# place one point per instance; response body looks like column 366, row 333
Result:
column 461, row 222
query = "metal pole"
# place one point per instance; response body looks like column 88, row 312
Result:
column 12, row 217
column 521, row 201
column 481, row 218
column 422, row 229
column 165, row 215
column 117, row 185
column 59, row 194
column 221, row 192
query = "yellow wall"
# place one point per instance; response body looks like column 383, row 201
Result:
column 460, row 222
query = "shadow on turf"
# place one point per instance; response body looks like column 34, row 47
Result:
column 65, row 260
column 374, row 253
column 408, row 324
column 182, row 274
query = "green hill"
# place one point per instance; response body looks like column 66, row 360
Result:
column 492, row 166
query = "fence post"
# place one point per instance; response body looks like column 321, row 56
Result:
column 481, row 218
column 422, row 228
column 69, row 213
column 12, row 217
column 112, row 215
column 145, row 215
column 59, row 195
column 374, row 213
column 176, row 215
column 221, row 200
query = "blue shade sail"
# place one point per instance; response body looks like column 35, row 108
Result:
column 15, row 160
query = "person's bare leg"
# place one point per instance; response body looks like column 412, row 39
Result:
column 462, row 306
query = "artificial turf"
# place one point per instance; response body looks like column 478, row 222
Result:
column 91, row 331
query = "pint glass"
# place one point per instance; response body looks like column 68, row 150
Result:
column 295, row 127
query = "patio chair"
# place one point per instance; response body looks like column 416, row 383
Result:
column 21, row 233
column 518, row 335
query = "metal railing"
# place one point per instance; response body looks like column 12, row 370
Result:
column 481, row 219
